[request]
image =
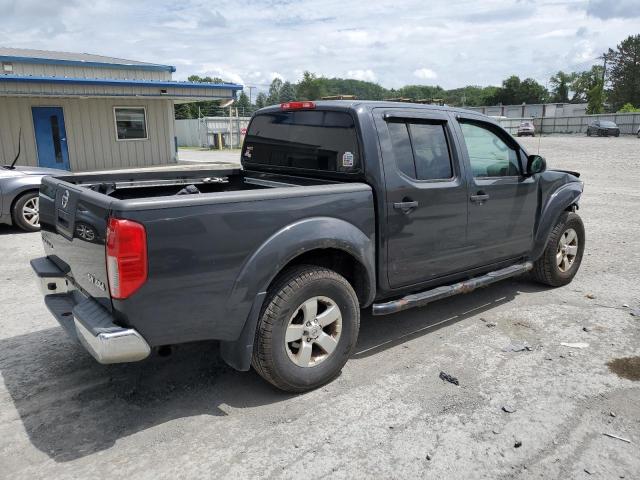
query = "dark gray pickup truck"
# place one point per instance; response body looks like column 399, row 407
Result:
column 339, row 206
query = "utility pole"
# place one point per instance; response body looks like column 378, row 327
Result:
column 251, row 88
column 604, row 57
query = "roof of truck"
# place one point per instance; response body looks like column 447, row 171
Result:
column 353, row 104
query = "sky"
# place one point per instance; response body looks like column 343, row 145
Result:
column 450, row 43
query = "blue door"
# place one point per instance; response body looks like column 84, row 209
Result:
column 51, row 137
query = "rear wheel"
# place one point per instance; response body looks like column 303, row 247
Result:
column 308, row 329
column 562, row 257
column 588, row 133
column 26, row 212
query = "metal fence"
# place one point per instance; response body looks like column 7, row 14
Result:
column 628, row 123
column 209, row 132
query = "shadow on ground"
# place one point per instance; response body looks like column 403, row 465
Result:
column 72, row 407
column 11, row 230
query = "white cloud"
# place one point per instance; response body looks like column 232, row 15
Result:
column 425, row 74
column 366, row 75
column 453, row 42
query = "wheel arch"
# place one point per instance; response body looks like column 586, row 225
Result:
column 17, row 195
column 322, row 241
column 563, row 199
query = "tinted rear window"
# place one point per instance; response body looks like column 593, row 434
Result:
column 309, row 140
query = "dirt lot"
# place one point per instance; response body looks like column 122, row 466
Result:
column 389, row 415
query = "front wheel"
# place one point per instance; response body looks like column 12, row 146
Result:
column 26, row 212
column 308, row 329
column 561, row 258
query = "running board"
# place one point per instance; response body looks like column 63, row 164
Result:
column 428, row 296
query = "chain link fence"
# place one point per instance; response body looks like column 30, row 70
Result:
column 212, row 132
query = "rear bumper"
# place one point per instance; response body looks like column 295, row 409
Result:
column 86, row 321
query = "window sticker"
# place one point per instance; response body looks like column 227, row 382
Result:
column 347, row 160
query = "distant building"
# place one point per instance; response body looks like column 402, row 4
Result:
column 86, row 112
column 533, row 110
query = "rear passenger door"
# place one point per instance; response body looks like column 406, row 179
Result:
column 502, row 201
column 426, row 196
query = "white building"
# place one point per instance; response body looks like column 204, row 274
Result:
column 88, row 112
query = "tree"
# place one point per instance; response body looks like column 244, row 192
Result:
column 514, row 92
column 197, row 79
column 244, row 107
column 584, row 83
column 287, row 93
column 624, row 72
column 561, row 84
column 629, row 108
column 274, row 91
column 309, row 88
column 595, row 99
column 261, row 100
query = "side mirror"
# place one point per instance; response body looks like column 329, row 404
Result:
column 535, row 164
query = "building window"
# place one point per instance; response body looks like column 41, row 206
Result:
column 131, row 123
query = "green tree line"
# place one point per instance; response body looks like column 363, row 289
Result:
column 616, row 89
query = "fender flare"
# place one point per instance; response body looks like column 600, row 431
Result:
column 558, row 202
column 261, row 268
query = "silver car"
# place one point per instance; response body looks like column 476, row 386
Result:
column 526, row 128
column 19, row 195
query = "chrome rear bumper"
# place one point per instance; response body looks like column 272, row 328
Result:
column 85, row 320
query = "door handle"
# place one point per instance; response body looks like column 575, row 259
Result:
column 405, row 206
column 479, row 197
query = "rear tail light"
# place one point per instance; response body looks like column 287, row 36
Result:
column 126, row 257
column 297, row 106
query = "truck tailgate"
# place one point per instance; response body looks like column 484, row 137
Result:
column 73, row 221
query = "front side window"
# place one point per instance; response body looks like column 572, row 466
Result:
column 489, row 155
column 421, row 150
column 131, row 123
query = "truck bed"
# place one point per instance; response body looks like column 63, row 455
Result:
column 199, row 246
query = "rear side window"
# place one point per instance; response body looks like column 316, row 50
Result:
column 421, row 150
column 306, row 140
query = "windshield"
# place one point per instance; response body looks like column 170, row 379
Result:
column 526, row 124
column 608, row 124
column 309, row 140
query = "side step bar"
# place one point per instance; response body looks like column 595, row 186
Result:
column 428, row 296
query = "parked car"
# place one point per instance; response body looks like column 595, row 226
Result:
column 638, row 132
column 603, row 128
column 526, row 128
column 19, row 202
column 340, row 205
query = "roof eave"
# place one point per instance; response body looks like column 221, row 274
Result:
column 80, row 63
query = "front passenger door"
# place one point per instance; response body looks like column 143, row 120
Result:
column 502, row 201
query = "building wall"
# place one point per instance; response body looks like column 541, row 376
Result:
column 91, row 136
column 71, row 71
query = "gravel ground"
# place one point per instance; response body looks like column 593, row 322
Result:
column 388, row 415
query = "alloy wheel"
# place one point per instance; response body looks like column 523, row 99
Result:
column 567, row 250
column 31, row 211
column 313, row 332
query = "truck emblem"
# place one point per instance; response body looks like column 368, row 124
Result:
column 99, row 284
column 65, row 199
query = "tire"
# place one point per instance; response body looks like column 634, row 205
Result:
column 22, row 212
column 282, row 362
column 547, row 268
column 588, row 133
